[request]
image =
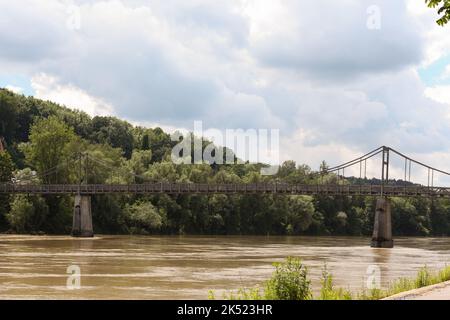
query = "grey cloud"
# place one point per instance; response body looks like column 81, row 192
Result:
column 32, row 31
column 331, row 40
column 203, row 17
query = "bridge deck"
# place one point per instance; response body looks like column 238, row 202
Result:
column 263, row 188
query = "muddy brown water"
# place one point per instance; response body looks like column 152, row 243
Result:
column 135, row 267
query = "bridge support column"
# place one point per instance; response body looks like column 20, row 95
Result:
column 82, row 217
column 382, row 229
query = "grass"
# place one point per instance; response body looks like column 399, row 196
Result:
column 423, row 278
column 290, row 282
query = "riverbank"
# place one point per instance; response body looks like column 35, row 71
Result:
column 426, row 286
column 290, row 281
column 440, row 291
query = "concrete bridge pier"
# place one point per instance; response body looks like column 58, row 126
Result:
column 82, row 217
column 382, row 229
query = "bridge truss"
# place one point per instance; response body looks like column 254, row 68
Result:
column 332, row 181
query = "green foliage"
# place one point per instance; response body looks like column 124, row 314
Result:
column 408, row 218
column 162, row 172
column 242, row 294
column 142, row 217
column 211, row 295
column 328, row 292
column 27, row 214
column 26, row 176
column 401, row 285
column 299, row 216
column 140, row 161
column 443, row 8
column 100, row 172
column 49, row 144
column 145, row 142
column 8, row 114
column 423, row 278
column 115, row 132
column 21, row 212
column 6, row 167
column 60, row 214
column 289, row 172
column 289, row 281
column 6, row 173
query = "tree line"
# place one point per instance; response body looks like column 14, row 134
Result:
column 40, row 135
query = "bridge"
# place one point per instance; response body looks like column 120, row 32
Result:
column 255, row 188
column 339, row 185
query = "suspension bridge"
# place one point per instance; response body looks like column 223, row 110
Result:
column 83, row 185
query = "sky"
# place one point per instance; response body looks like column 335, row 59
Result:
column 337, row 78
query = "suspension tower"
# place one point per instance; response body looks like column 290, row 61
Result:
column 382, row 228
column 82, row 213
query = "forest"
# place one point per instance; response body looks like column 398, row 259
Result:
column 40, row 134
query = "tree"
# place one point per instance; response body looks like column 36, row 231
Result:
column 300, row 214
column 108, row 167
column 439, row 217
column 160, row 144
column 21, row 211
column 140, row 161
column 407, row 220
column 48, row 149
column 115, row 132
column 287, row 168
column 6, row 171
column 162, row 172
column 49, row 152
column 6, row 167
column 8, row 115
column 145, row 142
column 142, row 217
column 443, row 8
column 27, row 213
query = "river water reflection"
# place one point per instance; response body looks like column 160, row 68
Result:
column 133, row 267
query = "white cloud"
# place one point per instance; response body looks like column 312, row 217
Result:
column 311, row 38
column 417, row 7
column 48, row 88
column 436, row 39
column 439, row 94
column 446, row 73
column 14, row 89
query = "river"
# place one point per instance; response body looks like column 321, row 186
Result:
column 187, row 267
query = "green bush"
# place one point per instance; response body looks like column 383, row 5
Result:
column 289, row 281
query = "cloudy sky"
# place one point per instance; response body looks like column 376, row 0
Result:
column 338, row 78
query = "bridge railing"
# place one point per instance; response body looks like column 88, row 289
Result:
column 256, row 188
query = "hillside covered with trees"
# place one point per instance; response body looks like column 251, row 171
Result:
column 39, row 134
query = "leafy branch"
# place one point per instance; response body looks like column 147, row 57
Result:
column 444, row 8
